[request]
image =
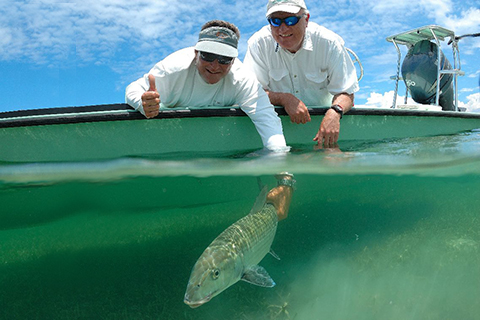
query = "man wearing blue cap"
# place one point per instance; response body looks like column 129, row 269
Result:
column 208, row 75
column 300, row 63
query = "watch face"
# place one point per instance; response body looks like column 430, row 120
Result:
column 338, row 109
column 286, row 182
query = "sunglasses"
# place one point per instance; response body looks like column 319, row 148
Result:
column 210, row 57
column 289, row 21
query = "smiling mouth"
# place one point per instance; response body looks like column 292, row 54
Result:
column 213, row 72
column 285, row 35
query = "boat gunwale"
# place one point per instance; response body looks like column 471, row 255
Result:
column 123, row 112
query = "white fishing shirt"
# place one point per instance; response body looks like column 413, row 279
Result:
column 319, row 70
column 180, row 85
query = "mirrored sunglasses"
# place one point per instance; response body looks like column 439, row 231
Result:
column 210, row 57
column 289, row 21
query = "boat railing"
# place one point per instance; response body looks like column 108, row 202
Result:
column 356, row 60
column 431, row 32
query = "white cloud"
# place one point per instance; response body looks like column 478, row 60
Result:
column 46, row 30
column 437, row 9
column 472, row 104
column 49, row 30
column 474, row 74
column 467, row 22
column 401, row 9
column 464, row 23
column 385, row 100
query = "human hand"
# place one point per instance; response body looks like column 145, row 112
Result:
column 329, row 130
column 281, row 195
column 297, row 110
column 151, row 99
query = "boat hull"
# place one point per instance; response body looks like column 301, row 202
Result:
column 115, row 131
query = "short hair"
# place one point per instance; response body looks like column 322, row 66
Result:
column 305, row 11
column 221, row 23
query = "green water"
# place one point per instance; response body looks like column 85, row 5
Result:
column 380, row 230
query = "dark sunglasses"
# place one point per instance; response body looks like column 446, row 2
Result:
column 210, row 57
column 289, row 21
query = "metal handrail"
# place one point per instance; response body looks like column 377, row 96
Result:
column 358, row 61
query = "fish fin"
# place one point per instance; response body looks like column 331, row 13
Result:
column 260, row 201
column 260, row 183
column 274, row 254
column 258, row 276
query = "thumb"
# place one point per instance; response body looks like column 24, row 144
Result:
column 151, row 81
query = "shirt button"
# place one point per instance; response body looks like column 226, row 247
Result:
column 295, row 76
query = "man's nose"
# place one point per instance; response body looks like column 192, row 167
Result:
column 283, row 27
column 215, row 64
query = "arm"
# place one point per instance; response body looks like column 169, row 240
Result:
column 267, row 122
column 343, row 84
column 144, row 96
column 294, row 107
column 253, row 100
column 281, row 195
column 330, row 127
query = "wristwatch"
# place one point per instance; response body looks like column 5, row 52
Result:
column 285, row 179
column 338, row 109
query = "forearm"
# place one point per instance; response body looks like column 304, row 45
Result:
column 281, row 195
column 345, row 100
column 133, row 94
column 269, row 127
column 267, row 123
column 329, row 130
column 279, row 98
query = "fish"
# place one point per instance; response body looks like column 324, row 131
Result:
column 234, row 255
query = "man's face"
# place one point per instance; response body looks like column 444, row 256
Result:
column 211, row 72
column 290, row 37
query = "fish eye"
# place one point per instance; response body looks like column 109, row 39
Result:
column 215, row 274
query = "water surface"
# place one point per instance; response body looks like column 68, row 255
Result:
column 376, row 230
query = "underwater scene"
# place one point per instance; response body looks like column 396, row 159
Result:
column 386, row 229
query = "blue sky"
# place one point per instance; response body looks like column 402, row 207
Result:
column 85, row 52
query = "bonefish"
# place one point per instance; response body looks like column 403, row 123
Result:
column 234, row 255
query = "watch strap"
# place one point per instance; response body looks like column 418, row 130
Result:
column 338, row 109
column 285, row 179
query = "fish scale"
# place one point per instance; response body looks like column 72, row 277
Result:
column 251, row 236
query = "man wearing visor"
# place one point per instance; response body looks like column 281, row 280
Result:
column 300, row 63
column 208, row 75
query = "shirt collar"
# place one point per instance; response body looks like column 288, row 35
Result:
column 307, row 41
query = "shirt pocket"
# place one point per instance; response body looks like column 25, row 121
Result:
column 277, row 75
column 317, row 80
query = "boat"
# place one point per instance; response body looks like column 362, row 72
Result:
column 114, row 131
column 102, row 132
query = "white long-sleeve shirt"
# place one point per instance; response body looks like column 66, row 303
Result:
column 180, row 85
column 319, row 70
